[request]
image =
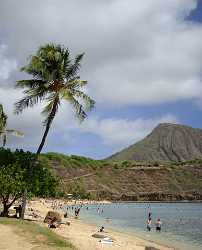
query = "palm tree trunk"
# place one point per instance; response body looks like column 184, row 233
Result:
column 50, row 119
column 7, row 205
column 5, row 211
column 24, row 203
column 44, row 137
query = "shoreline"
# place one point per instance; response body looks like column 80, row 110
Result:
column 80, row 231
column 132, row 234
column 180, row 201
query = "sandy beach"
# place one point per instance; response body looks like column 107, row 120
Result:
column 79, row 233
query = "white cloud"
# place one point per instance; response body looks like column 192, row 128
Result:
column 120, row 133
column 6, row 65
column 114, row 132
column 137, row 52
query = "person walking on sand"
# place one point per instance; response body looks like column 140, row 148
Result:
column 158, row 225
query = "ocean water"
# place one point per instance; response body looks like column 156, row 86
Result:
column 181, row 222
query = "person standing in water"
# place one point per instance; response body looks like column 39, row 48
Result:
column 149, row 221
column 158, row 225
column 149, row 212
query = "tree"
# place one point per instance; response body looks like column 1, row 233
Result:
column 3, row 127
column 55, row 78
column 15, row 177
column 11, row 186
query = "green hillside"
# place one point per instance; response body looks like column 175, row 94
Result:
column 126, row 180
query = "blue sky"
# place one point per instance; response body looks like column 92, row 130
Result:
column 196, row 14
column 143, row 64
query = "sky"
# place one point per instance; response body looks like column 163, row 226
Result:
column 143, row 63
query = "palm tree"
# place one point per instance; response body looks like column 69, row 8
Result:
column 55, row 78
column 3, row 127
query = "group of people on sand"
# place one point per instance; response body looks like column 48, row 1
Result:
column 157, row 224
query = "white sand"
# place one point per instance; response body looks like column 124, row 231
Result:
column 80, row 233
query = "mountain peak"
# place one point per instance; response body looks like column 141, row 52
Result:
column 167, row 142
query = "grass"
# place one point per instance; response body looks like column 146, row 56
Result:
column 38, row 235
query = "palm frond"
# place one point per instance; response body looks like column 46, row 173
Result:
column 72, row 70
column 34, row 68
column 15, row 132
column 3, row 127
column 51, row 108
column 80, row 112
column 29, row 101
column 88, row 102
column 76, row 83
column 30, row 83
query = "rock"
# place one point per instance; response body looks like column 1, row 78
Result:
column 53, row 216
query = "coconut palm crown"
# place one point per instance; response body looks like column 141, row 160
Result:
column 54, row 78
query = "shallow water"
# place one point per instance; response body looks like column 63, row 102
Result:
column 181, row 222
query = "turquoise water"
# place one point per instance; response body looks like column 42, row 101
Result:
column 181, row 222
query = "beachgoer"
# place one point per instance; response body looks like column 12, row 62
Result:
column 52, row 223
column 75, row 212
column 149, row 221
column 158, row 225
column 18, row 211
column 101, row 229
